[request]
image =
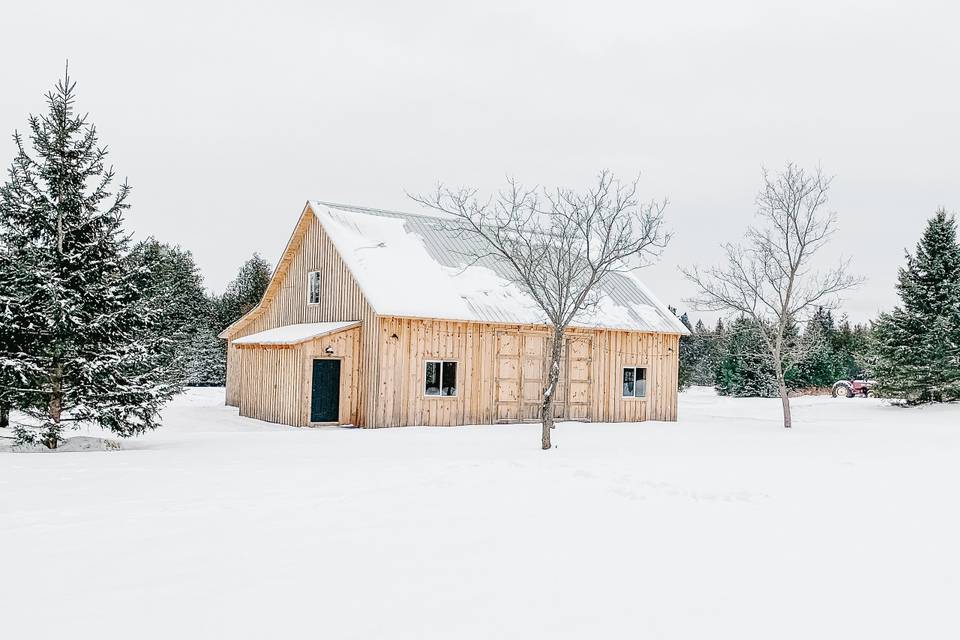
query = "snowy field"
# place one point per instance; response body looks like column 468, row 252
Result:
column 722, row 525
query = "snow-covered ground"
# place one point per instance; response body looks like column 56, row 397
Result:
column 722, row 525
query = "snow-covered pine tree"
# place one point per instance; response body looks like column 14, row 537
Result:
column 819, row 366
column 170, row 281
column 853, row 346
column 207, row 365
column 245, row 291
column 744, row 368
column 705, row 352
column 918, row 343
column 688, row 355
column 705, row 347
column 85, row 350
column 9, row 363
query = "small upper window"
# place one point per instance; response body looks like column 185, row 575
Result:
column 441, row 378
column 313, row 287
column 634, row 382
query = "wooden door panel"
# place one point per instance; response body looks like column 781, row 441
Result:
column 579, row 371
column 508, row 390
column 578, row 348
column 532, row 369
column 507, row 368
column 533, row 345
column 532, row 391
column 508, row 344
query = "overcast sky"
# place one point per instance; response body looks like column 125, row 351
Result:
column 228, row 116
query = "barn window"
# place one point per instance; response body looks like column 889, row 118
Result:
column 634, row 382
column 313, row 287
column 441, row 378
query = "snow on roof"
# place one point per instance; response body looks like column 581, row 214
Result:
column 420, row 266
column 294, row 333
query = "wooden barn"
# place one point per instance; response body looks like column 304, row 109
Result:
column 378, row 319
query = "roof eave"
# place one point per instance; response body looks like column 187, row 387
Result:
column 320, row 334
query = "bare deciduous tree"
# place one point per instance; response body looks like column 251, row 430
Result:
column 770, row 278
column 560, row 245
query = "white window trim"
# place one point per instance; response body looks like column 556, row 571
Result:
column 309, row 277
column 646, row 379
column 456, row 380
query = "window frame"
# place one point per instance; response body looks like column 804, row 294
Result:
column 646, row 379
column 456, row 378
column 310, row 276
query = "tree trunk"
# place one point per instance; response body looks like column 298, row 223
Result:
column 782, row 387
column 51, row 434
column 549, row 392
column 4, row 416
column 785, row 400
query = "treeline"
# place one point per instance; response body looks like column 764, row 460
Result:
column 912, row 352
column 190, row 318
column 732, row 358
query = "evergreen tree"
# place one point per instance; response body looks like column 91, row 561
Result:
column 918, row 343
column 704, row 353
column 207, row 362
column 853, row 346
column 744, row 368
column 82, row 331
column 702, row 350
column 819, row 366
column 688, row 352
column 9, row 363
column 245, row 291
column 170, row 280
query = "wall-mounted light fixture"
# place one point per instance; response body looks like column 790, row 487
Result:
column 328, row 351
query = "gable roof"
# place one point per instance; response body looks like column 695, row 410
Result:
column 276, row 279
column 413, row 265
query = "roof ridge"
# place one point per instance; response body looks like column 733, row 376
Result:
column 354, row 208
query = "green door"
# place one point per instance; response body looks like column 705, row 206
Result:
column 325, row 399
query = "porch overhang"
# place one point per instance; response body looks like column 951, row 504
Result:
column 291, row 335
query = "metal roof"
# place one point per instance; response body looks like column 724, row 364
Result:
column 634, row 307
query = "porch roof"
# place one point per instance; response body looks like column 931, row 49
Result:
column 294, row 333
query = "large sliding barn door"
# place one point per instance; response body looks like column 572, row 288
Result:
column 519, row 375
column 521, row 371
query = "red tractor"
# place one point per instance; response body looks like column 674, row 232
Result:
column 850, row 388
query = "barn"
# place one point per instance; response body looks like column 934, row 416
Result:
column 379, row 318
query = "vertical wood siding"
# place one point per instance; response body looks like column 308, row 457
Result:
column 234, row 373
column 276, row 382
column 658, row 352
column 501, row 373
column 271, row 384
column 343, row 346
column 286, row 303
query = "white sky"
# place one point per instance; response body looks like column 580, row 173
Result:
column 228, row 116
